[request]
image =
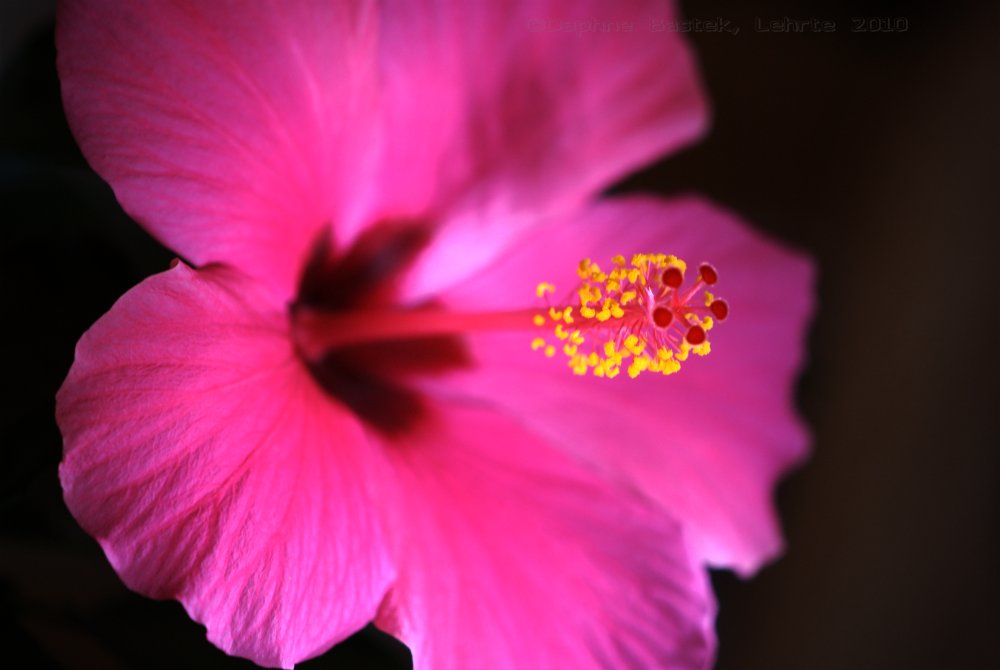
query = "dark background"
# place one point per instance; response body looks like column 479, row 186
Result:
column 875, row 151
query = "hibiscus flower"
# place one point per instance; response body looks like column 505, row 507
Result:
column 330, row 411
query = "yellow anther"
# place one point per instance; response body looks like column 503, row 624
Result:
column 664, row 354
column 633, row 275
column 707, row 323
column 561, row 332
column 578, row 364
column 589, row 294
column 537, row 344
column 618, row 260
column 635, row 345
column 555, row 314
column 550, row 351
column 604, row 314
column 627, row 297
column 609, row 349
column 708, row 298
column 616, row 310
column 703, row 349
column 538, row 320
column 567, row 315
column 638, row 365
column 593, row 359
column 613, row 285
column 669, row 367
column 544, row 288
column 569, row 349
column 587, row 312
column 576, row 337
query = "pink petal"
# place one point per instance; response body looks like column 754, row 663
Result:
column 502, row 113
column 709, row 442
column 513, row 556
column 231, row 131
column 211, row 470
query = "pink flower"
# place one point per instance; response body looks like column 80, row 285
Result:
column 333, row 414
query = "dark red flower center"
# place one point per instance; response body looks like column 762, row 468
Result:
column 373, row 378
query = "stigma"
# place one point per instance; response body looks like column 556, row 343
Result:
column 638, row 316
